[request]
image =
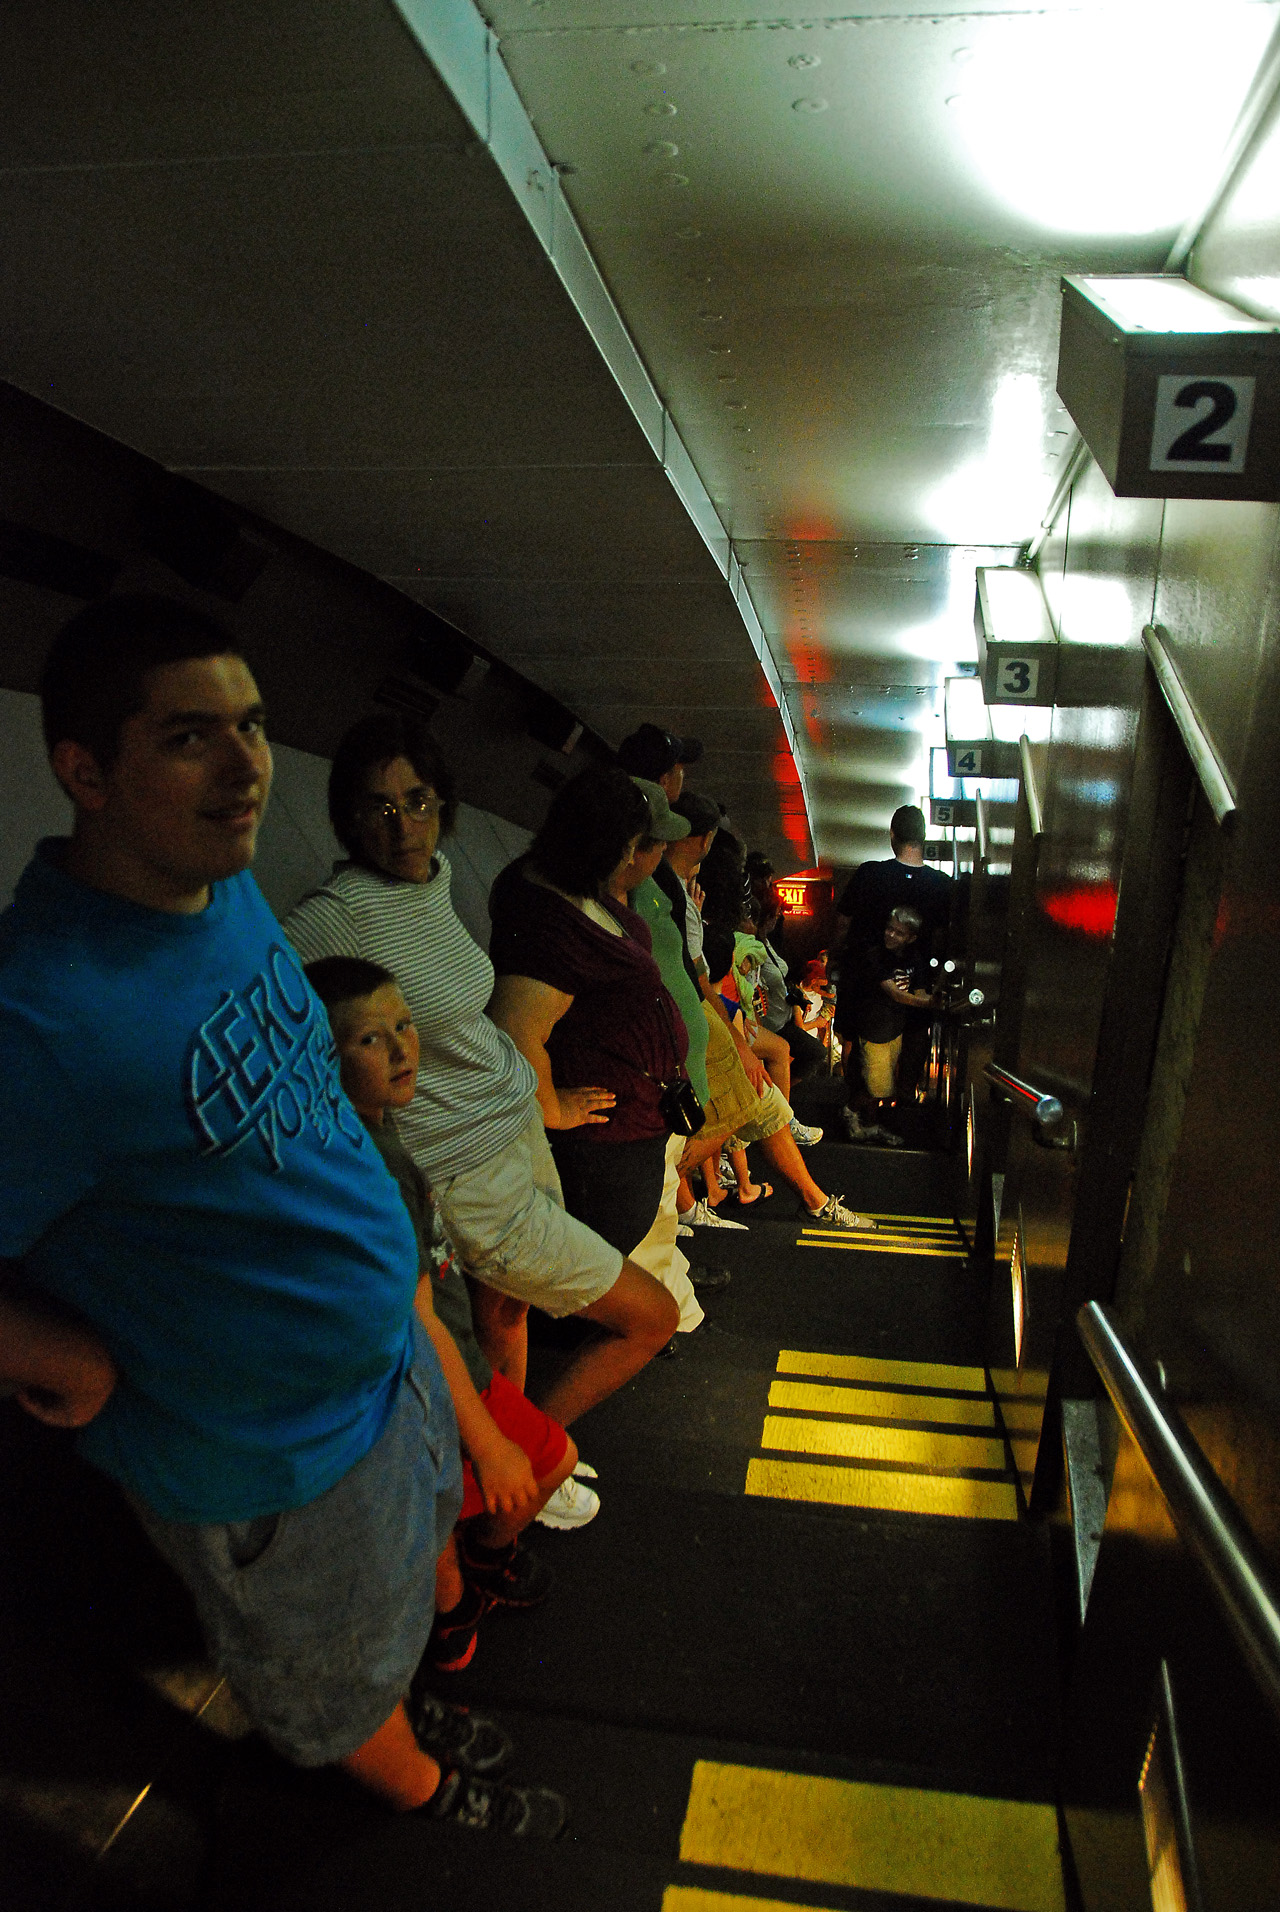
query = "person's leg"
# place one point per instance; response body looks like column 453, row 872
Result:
column 782, row 1153
column 502, row 1329
column 659, row 1251
column 776, row 1057
column 498, row 1530
column 638, row 1317
column 391, row 1765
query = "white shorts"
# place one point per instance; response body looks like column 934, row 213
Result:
column 508, row 1222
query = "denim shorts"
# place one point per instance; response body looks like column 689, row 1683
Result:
column 317, row 1617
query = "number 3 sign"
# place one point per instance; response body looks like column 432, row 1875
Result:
column 1201, row 424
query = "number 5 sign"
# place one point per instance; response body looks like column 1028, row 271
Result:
column 1201, row 424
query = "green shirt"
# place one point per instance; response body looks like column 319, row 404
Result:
column 650, row 903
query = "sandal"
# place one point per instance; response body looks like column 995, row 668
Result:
column 765, row 1194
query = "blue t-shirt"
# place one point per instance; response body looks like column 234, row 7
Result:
column 179, row 1163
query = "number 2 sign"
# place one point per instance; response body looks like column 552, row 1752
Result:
column 1201, row 424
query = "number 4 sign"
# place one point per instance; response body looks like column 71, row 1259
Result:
column 1201, row 424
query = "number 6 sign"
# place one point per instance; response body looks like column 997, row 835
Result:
column 1201, row 424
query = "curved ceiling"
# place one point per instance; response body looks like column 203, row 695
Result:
column 265, row 245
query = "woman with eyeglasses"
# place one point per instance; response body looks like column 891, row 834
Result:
column 474, row 1127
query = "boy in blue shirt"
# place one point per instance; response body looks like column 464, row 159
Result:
column 204, row 1264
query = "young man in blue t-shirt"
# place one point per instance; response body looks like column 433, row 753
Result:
column 205, row 1265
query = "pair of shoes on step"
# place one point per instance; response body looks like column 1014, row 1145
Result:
column 492, row 1577
column 702, row 1215
column 471, row 1750
column 868, row 1134
column 834, row 1214
column 573, row 1504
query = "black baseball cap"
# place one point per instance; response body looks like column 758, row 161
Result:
column 652, row 751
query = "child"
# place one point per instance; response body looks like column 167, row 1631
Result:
column 515, row 1456
column 885, row 982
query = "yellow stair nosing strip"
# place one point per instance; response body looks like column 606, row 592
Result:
column 822, row 1364
column 880, row 1403
column 954, row 1847
column 944, row 1450
column 882, row 1490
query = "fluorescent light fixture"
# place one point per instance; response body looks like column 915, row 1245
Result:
column 1165, row 303
column 1011, row 607
column 967, row 717
column 1150, row 90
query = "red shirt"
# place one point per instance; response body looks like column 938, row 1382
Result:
column 622, row 1031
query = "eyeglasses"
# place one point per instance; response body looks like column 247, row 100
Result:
column 415, row 808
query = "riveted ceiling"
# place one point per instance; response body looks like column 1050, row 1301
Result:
column 264, row 244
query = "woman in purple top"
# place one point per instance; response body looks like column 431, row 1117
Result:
column 580, row 995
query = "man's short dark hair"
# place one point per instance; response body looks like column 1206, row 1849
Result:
column 906, row 825
column 368, row 745
column 94, row 677
column 700, row 813
column 342, row 979
column 586, row 831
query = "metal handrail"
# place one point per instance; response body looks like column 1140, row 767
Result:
column 1042, row 1108
column 1030, row 787
column 984, row 827
column 1202, row 1512
column 1212, row 773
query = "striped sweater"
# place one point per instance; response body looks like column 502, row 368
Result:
column 476, row 1092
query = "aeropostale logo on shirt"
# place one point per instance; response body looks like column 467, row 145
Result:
column 264, row 1064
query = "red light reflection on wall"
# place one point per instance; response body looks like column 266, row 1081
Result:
column 1089, row 908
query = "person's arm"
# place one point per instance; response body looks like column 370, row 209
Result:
column 503, row 1471
column 908, row 998
column 528, row 1011
column 54, row 1363
column 746, row 1055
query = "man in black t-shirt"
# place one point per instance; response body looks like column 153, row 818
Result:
column 864, row 906
column 882, row 984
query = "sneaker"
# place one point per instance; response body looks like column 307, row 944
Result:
column 454, row 1735
column 683, row 1228
column 490, row 1805
column 508, row 1576
column 728, row 1174
column 452, row 1642
column 583, row 1471
column 867, row 1134
column 706, row 1281
column 572, row 1505
column 803, row 1134
column 834, row 1214
column 702, row 1215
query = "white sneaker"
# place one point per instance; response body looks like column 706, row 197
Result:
column 572, row 1505
column 702, row 1215
column 683, row 1228
column 728, row 1174
column 583, row 1472
column 805, row 1136
column 834, row 1214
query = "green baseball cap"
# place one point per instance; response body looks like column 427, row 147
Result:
column 664, row 825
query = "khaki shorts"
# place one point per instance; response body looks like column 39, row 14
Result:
column 508, row 1223
column 880, row 1067
column 773, row 1112
column 733, row 1101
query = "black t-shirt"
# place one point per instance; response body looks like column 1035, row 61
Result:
column 877, row 888
column 875, row 1016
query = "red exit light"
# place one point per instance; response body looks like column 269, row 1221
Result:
column 795, row 896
